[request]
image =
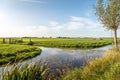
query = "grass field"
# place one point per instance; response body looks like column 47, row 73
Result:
column 65, row 42
column 13, row 52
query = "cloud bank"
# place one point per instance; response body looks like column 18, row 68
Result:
column 75, row 27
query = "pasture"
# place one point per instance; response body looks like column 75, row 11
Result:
column 63, row 42
column 10, row 53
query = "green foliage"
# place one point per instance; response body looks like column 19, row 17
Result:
column 12, row 53
column 3, row 41
column 30, row 43
column 31, row 71
column 105, row 68
column 108, row 12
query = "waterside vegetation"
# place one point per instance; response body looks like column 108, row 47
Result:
column 31, row 71
column 105, row 68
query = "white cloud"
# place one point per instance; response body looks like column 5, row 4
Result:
column 76, row 26
column 73, row 25
column 84, row 23
column 53, row 23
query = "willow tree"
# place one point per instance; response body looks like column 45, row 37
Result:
column 108, row 12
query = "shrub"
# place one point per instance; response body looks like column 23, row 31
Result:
column 30, row 43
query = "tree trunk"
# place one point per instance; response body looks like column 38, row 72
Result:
column 3, row 40
column 115, row 38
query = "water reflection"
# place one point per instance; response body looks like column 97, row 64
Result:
column 74, row 57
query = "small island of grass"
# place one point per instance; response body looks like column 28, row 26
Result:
column 11, row 52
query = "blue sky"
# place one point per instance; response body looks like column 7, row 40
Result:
column 67, row 18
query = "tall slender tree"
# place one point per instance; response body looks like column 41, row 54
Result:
column 108, row 12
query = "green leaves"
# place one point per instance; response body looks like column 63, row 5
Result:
column 108, row 13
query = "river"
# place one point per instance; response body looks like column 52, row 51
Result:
column 59, row 56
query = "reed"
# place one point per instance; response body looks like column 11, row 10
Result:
column 31, row 71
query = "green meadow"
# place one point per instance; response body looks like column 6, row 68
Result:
column 63, row 42
column 10, row 53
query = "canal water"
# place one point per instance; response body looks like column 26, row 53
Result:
column 59, row 56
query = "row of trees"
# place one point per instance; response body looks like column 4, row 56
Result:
column 11, row 40
column 16, row 40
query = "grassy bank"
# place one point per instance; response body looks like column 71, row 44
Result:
column 105, row 68
column 64, row 42
column 12, row 52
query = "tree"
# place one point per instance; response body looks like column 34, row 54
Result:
column 108, row 12
column 4, row 41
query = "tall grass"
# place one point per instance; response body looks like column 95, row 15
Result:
column 32, row 71
column 105, row 68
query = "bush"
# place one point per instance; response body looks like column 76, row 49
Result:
column 30, row 43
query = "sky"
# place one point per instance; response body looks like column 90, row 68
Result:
column 50, row 18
